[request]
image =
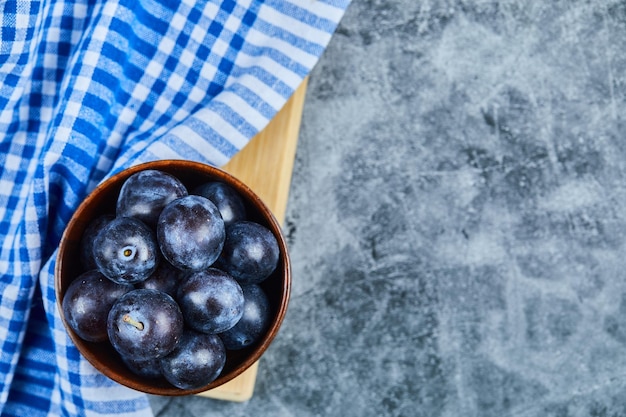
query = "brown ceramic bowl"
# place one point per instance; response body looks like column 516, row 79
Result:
column 102, row 200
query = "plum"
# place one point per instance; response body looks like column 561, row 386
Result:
column 145, row 324
column 145, row 193
column 226, row 198
column 191, row 233
column 126, row 250
column 196, row 362
column 165, row 278
column 254, row 321
column 147, row 368
column 250, row 252
column 87, row 302
column 211, row 301
column 88, row 237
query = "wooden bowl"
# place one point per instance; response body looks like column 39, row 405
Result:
column 101, row 201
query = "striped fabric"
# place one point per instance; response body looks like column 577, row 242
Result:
column 90, row 87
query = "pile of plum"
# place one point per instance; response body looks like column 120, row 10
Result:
column 172, row 278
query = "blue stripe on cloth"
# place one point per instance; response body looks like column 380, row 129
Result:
column 263, row 77
column 90, row 87
column 115, row 407
column 254, row 100
column 40, row 367
column 277, row 56
column 34, row 378
column 302, row 15
column 217, row 140
column 303, row 44
column 145, row 16
column 38, row 405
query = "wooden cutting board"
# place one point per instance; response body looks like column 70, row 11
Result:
column 265, row 165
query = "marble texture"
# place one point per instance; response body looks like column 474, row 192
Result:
column 457, row 218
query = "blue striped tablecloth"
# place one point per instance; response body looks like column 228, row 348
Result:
column 90, row 87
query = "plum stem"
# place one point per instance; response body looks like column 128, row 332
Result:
column 128, row 319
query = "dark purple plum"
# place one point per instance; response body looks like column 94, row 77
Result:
column 211, row 301
column 145, row 324
column 250, row 252
column 126, row 250
column 227, row 199
column 87, row 302
column 145, row 193
column 89, row 235
column 147, row 368
column 166, row 278
column 191, row 233
column 196, row 362
column 254, row 321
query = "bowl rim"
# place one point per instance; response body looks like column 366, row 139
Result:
column 169, row 165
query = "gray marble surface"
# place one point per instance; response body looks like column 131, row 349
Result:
column 457, row 218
